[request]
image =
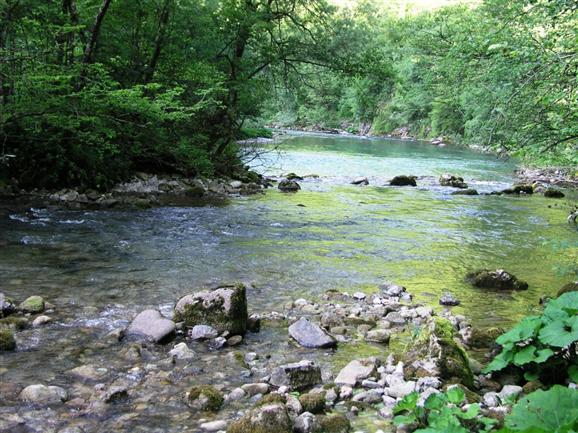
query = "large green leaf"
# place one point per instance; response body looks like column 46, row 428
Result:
column 455, row 395
column 501, row 361
column 552, row 411
column 409, row 402
column 560, row 333
column 524, row 330
column 564, row 306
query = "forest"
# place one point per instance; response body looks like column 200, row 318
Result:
column 93, row 91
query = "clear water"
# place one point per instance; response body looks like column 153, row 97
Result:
column 101, row 267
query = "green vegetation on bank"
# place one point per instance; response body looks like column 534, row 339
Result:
column 499, row 74
column 93, row 90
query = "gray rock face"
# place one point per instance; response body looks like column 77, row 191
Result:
column 203, row 332
column 224, row 309
column 306, row 423
column 498, row 279
column 152, row 326
column 449, row 300
column 297, row 376
column 287, row 185
column 43, row 395
column 309, row 334
column 356, row 371
column 267, row 418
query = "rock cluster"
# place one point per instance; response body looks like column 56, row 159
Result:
column 453, row 181
column 498, row 279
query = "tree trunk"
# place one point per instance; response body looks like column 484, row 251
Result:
column 69, row 7
column 90, row 47
column 159, row 41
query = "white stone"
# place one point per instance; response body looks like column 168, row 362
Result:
column 182, row 351
column 214, row 426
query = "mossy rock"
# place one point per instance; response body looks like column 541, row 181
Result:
column 553, row 193
column 313, row 402
column 519, row 189
column 270, row 418
column 567, row 288
column 7, row 341
column 403, row 181
column 334, row 423
column 33, row 304
column 498, row 279
column 205, row 397
column 484, row 338
column 273, row 398
column 7, row 306
column 16, row 322
column 224, row 308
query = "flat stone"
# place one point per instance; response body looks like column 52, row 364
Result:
column 88, row 372
column 43, row 395
column 41, row 320
column 395, row 318
column 400, row 390
column 252, row 389
column 203, row 332
column 296, row 376
column 214, row 425
column 236, row 394
column 310, row 335
column 370, row 396
column 356, row 371
column 152, row 326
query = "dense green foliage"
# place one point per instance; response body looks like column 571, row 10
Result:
column 93, row 90
column 500, row 75
column 544, row 346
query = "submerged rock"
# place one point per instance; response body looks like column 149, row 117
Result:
column 519, row 189
column 224, row 309
column 360, row 181
column 297, row 376
column 7, row 341
column 356, row 371
column 403, row 181
column 309, row 334
column 270, row 418
column 33, row 304
column 553, row 193
column 469, row 191
column 448, row 299
column 498, row 279
column 453, row 181
column 43, row 395
column 152, row 326
column 287, row 185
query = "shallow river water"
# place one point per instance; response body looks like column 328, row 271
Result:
column 102, row 267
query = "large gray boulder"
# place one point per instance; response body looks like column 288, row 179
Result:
column 297, row 376
column 43, row 395
column 150, row 325
column 309, row 334
column 224, row 309
column 272, row 418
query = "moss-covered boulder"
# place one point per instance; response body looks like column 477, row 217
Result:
column 15, row 322
column 481, row 338
column 33, row 304
column 7, row 341
column 224, row 308
column 566, row 288
column 205, row 397
column 498, row 279
column 271, row 418
column 436, row 352
column 519, row 189
column 335, row 423
column 313, row 402
column 553, row 193
column 453, row 181
column 7, row 307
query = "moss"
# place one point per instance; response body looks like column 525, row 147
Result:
column 7, row 341
column 240, row 358
column 335, row 423
column 205, row 397
column 271, row 399
column 33, row 304
column 274, row 420
column 16, row 322
column 484, row 338
column 553, row 193
column 532, row 386
column 313, row 402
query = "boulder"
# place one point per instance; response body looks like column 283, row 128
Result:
column 519, row 189
column 309, row 334
column 448, row 299
column 32, row 304
column 403, row 181
column 205, row 397
column 224, row 309
column 313, row 402
column 203, row 332
column 7, row 307
column 297, row 376
column 453, row 181
column 566, row 288
column 7, row 341
column 553, row 193
column 293, row 176
column 150, row 325
column 468, row 191
column 498, row 279
column 360, row 181
column 377, row 336
column 43, row 395
column 287, row 185
column 436, row 352
column 307, row 423
column 357, row 370
column 270, row 418
column 335, row 423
